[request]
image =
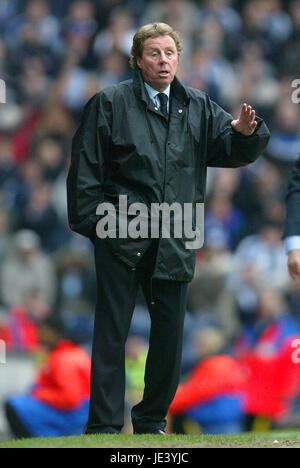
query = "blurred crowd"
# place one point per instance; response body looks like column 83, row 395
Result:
column 242, row 306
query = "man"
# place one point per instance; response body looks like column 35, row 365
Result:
column 213, row 392
column 26, row 268
column 57, row 404
column 292, row 223
column 264, row 348
column 149, row 138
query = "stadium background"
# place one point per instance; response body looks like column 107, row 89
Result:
column 54, row 55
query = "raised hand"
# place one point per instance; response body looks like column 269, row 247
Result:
column 245, row 124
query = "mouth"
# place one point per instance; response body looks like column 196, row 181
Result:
column 163, row 73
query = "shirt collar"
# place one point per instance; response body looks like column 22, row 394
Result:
column 153, row 92
column 179, row 91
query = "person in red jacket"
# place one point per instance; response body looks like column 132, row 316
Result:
column 58, row 402
column 19, row 330
column 212, row 396
column 265, row 350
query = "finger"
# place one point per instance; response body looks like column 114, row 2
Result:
column 251, row 118
column 247, row 114
column 291, row 272
column 294, row 271
column 294, row 276
column 244, row 109
column 244, row 113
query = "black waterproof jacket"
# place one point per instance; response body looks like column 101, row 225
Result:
column 125, row 146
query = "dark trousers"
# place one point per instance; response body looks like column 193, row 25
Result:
column 117, row 285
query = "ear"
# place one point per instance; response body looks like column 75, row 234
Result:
column 138, row 61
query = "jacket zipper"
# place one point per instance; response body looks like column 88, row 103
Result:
column 164, row 190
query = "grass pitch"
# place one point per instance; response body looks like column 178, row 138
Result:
column 282, row 439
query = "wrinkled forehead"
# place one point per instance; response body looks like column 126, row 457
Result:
column 159, row 42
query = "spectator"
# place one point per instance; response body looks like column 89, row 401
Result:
column 265, row 349
column 39, row 215
column 135, row 360
column 76, row 286
column 209, row 65
column 264, row 254
column 284, row 145
column 33, row 37
column 8, row 168
column 269, row 186
column 222, row 11
column 208, row 295
column 212, row 396
column 18, row 331
column 272, row 327
column 288, row 60
column 80, row 19
column 259, row 260
column 4, row 232
column 8, row 9
column 181, row 14
column 222, row 216
column 45, row 25
column 26, row 268
column 136, row 354
column 252, row 80
column 118, row 36
column 35, row 83
column 50, row 152
column 57, row 404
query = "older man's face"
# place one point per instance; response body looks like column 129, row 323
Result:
column 159, row 61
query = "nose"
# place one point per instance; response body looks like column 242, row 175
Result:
column 163, row 57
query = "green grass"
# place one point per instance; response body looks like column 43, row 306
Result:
column 286, row 439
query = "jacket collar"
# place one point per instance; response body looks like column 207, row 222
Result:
column 177, row 89
column 153, row 92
